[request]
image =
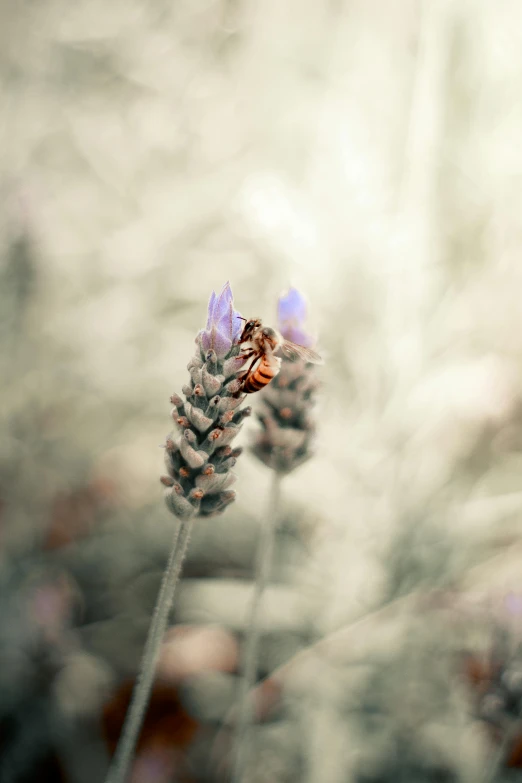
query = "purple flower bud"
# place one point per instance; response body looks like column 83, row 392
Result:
column 291, row 317
column 513, row 604
column 223, row 323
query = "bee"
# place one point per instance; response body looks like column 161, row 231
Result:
column 260, row 343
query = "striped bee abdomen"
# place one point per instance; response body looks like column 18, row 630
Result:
column 261, row 374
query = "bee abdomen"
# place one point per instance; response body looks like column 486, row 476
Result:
column 253, row 385
column 259, row 378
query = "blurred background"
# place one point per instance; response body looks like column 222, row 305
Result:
column 368, row 153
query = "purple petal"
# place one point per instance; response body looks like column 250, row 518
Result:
column 211, row 308
column 513, row 603
column 227, row 291
column 223, row 303
column 204, row 339
column 237, row 325
column 291, row 307
column 224, row 323
column 220, row 343
column 213, row 338
column 297, row 335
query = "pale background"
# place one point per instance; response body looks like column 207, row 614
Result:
column 368, row 153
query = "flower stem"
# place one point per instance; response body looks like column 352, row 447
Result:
column 264, row 556
column 121, row 762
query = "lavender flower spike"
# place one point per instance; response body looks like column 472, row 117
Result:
column 285, row 441
column 200, row 458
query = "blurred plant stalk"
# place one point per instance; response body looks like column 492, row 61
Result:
column 264, row 557
column 140, row 698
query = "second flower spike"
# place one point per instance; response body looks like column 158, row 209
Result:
column 286, row 438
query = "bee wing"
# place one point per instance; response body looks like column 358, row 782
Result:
column 292, row 350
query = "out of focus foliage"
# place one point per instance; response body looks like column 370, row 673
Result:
column 368, row 153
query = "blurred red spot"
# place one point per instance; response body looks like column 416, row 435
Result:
column 167, row 724
column 75, row 514
column 479, row 673
column 267, row 698
column 514, row 757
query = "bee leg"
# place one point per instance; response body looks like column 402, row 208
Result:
column 245, row 376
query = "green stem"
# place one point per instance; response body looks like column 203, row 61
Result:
column 122, row 760
column 264, row 558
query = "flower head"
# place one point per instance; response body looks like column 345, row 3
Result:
column 286, row 438
column 200, row 457
column 223, row 323
column 291, row 317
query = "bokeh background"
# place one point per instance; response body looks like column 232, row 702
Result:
column 368, row 153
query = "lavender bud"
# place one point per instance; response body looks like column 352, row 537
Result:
column 171, row 446
column 242, row 414
column 227, row 497
column 196, row 375
column 210, row 444
column 199, row 390
column 228, row 434
column 192, row 457
column 190, row 436
column 195, row 362
column 170, row 464
column 211, row 383
column 215, row 482
column 178, row 504
column 227, row 464
column 194, row 497
column 211, row 360
column 197, row 418
column 233, row 387
column 226, row 451
column 229, row 403
column 232, row 366
column 212, row 410
column 216, row 503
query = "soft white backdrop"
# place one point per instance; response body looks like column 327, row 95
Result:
column 367, row 152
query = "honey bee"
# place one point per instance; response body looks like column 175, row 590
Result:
column 261, row 342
